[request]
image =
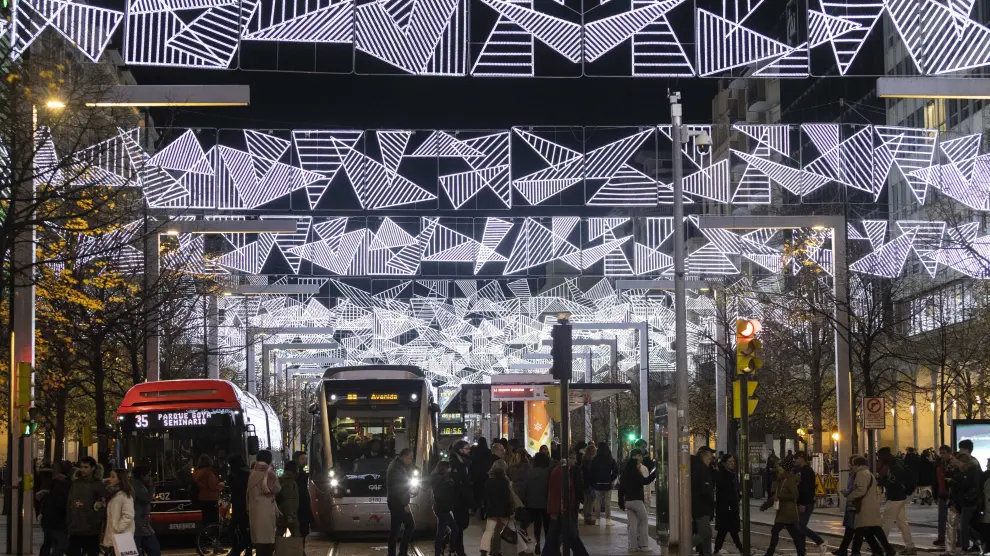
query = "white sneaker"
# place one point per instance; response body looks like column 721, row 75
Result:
column 608, row 522
column 823, row 549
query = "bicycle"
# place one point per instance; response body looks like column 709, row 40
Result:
column 217, row 538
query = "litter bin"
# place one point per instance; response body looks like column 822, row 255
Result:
column 757, row 480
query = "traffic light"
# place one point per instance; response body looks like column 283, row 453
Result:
column 737, row 397
column 748, row 348
column 562, row 350
column 631, row 437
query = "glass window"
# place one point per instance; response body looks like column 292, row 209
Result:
column 365, row 441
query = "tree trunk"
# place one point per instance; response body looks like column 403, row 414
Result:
column 99, row 392
column 61, row 398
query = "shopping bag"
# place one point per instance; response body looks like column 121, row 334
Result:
column 289, row 546
column 124, row 545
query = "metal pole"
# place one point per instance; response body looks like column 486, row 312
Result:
column 744, row 456
column 152, row 257
column 565, row 432
column 843, row 372
column 721, row 415
column 213, row 338
column 250, row 375
column 680, row 327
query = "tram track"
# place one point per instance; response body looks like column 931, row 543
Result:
column 364, row 548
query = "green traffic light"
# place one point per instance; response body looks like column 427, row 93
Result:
column 631, row 437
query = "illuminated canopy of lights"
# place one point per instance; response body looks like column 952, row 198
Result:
column 430, row 37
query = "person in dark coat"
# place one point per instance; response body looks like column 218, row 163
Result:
column 604, row 472
column 302, row 482
column 480, row 464
column 460, row 473
column 53, row 507
column 807, row 483
column 237, row 480
column 144, row 492
column 702, row 499
column 635, row 476
column 444, row 501
column 399, row 491
column 536, row 496
column 499, row 507
column 727, row 503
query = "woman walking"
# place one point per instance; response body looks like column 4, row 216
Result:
column 635, row 476
column 262, row 488
column 120, row 508
column 536, row 496
column 604, row 472
column 849, row 516
column 787, row 511
column 866, row 501
column 498, row 508
column 727, row 503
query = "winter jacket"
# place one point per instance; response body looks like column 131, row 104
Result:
column 237, row 481
column 305, row 508
column 964, row 486
column 604, row 472
column 519, row 477
column 120, row 517
column 498, row 499
column 143, row 495
column 444, row 492
column 460, row 473
column 207, row 484
column 941, row 478
column 397, row 485
column 633, row 481
column 869, row 501
column 536, row 488
column 702, row 489
column 555, row 502
column 726, row 501
column 893, row 482
column 806, row 486
column 53, row 505
column 85, row 507
column 262, row 487
column 787, row 496
column 287, row 500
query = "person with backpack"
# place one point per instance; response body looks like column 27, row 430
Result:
column 898, row 483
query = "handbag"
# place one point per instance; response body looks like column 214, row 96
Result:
column 289, row 546
column 508, row 534
column 124, row 545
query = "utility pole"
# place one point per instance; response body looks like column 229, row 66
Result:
column 563, row 360
column 680, row 337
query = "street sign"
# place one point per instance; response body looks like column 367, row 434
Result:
column 874, row 413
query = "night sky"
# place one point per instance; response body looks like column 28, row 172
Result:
column 296, row 100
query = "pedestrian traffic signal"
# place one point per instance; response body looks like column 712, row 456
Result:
column 562, row 350
column 748, row 348
column 751, row 402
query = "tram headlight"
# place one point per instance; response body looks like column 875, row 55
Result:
column 415, row 472
column 414, row 397
column 334, row 483
column 333, row 473
column 333, row 397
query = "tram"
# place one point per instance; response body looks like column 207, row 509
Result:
column 363, row 417
column 167, row 425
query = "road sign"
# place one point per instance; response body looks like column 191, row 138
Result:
column 874, row 413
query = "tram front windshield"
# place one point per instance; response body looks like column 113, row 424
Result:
column 364, row 441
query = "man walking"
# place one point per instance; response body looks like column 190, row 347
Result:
column 896, row 482
column 702, row 499
column 85, row 511
column 397, row 483
column 806, row 499
column 941, row 487
column 302, row 482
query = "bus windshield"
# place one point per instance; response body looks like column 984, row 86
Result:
column 172, row 454
column 364, row 441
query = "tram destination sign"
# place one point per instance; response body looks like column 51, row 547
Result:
column 373, row 397
column 180, row 419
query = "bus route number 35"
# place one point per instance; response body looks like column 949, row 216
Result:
column 140, row 421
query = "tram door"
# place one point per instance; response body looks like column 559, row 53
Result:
column 665, row 433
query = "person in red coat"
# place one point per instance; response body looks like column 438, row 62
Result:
column 555, row 507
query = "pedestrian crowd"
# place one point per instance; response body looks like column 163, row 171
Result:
column 83, row 511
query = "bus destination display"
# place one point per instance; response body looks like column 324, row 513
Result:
column 179, row 419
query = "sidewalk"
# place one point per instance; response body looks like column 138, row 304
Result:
column 37, row 535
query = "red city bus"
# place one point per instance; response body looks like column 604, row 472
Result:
column 167, row 425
